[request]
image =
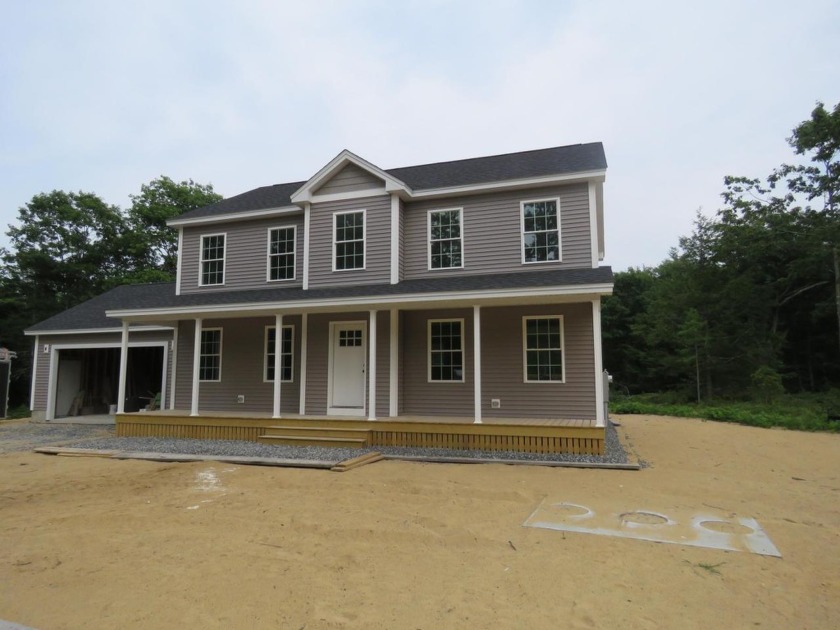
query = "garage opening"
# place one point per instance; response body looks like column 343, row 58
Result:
column 89, row 378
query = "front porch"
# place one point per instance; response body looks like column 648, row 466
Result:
column 532, row 435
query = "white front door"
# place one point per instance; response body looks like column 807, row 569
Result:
column 347, row 367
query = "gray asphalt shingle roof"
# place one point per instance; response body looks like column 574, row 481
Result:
column 91, row 314
column 573, row 158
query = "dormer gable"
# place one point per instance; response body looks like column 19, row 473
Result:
column 348, row 174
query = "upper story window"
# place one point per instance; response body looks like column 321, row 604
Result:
column 286, row 345
column 212, row 259
column 281, row 253
column 446, row 350
column 210, row 355
column 446, row 242
column 540, row 231
column 349, row 240
column 543, row 349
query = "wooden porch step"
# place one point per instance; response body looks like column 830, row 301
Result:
column 310, row 440
column 316, row 431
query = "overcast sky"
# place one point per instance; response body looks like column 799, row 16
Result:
column 105, row 96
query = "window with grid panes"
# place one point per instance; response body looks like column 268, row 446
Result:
column 543, row 349
column 281, row 253
column 349, row 240
column 445, row 239
column 210, row 355
column 286, row 345
column 213, row 259
column 540, row 231
column 446, row 350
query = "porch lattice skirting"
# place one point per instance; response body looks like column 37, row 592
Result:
column 524, row 438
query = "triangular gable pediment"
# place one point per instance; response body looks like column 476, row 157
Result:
column 349, row 174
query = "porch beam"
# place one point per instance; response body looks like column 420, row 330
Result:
column 303, row 342
column 393, row 364
column 372, row 367
column 477, row 361
column 195, row 372
column 123, row 368
column 278, row 362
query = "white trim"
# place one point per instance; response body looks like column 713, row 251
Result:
column 221, row 348
column 265, row 352
column 180, row 261
column 233, row 216
column 599, row 204
column 364, row 240
column 371, row 367
column 84, row 331
column 307, row 211
column 366, row 193
column 429, row 323
column 512, row 184
column 581, row 291
column 525, row 318
column 429, row 214
column 196, row 383
column 278, row 361
column 304, row 330
column 393, row 364
column 123, row 368
column 35, row 354
column 395, row 238
column 344, row 411
column 522, row 203
column 593, row 225
column 174, row 366
column 268, row 253
column 600, row 419
column 201, row 260
column 52, row 377
column 477, row 364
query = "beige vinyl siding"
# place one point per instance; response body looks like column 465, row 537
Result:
column 492, row 232
column 418, row 395
column 243, row 357
column 377, row 242
column 43, row 369
column 246, row 254
column 351, row 178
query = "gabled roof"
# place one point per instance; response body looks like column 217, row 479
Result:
column 524, row 165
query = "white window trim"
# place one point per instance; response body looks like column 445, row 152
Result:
column 525, row 347
column 201, row 260
column 429, row 237
column 364, row 240
column 268, row 253
column 429, row 349
column 556, row 200
column 265, row 354
column 221, row 349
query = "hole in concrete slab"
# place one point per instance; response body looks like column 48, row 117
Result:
column 726, row 527
column 570, row 509
column 643, row 518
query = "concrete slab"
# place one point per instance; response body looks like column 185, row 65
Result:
column 676, row 526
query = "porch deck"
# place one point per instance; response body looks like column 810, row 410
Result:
column 532, row 435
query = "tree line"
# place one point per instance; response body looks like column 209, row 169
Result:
column 68, row 247
column 748, row 304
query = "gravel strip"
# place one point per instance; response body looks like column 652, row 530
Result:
column 234, row 448
column 17, row 435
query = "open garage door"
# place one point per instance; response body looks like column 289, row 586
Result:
column 87, row 379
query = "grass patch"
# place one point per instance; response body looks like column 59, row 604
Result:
column 16, row 413
column 806, row 412
column 709, row 568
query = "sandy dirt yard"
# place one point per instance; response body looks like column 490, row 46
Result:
column 97, row 543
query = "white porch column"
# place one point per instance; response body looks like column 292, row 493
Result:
column 393, row 364
column 477, row 361
column 600, row 416
column 303, row 342
column 278, row 363
column 174, row 363
column 196, row 361
column 372, row 367
column 123, row 368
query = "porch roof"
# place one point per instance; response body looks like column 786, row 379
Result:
column 538, row 287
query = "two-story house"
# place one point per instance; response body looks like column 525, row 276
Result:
column 454, row 304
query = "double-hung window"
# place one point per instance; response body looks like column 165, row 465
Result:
column 281, row 253
column 543, row 349
column 212, row 259
column 541, row 231
column 446, row 350
column 286, row 353
column 446, row 242
column 349, row 240
column 210, row 355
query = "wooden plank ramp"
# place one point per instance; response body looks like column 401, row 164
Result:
column 355, row 462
